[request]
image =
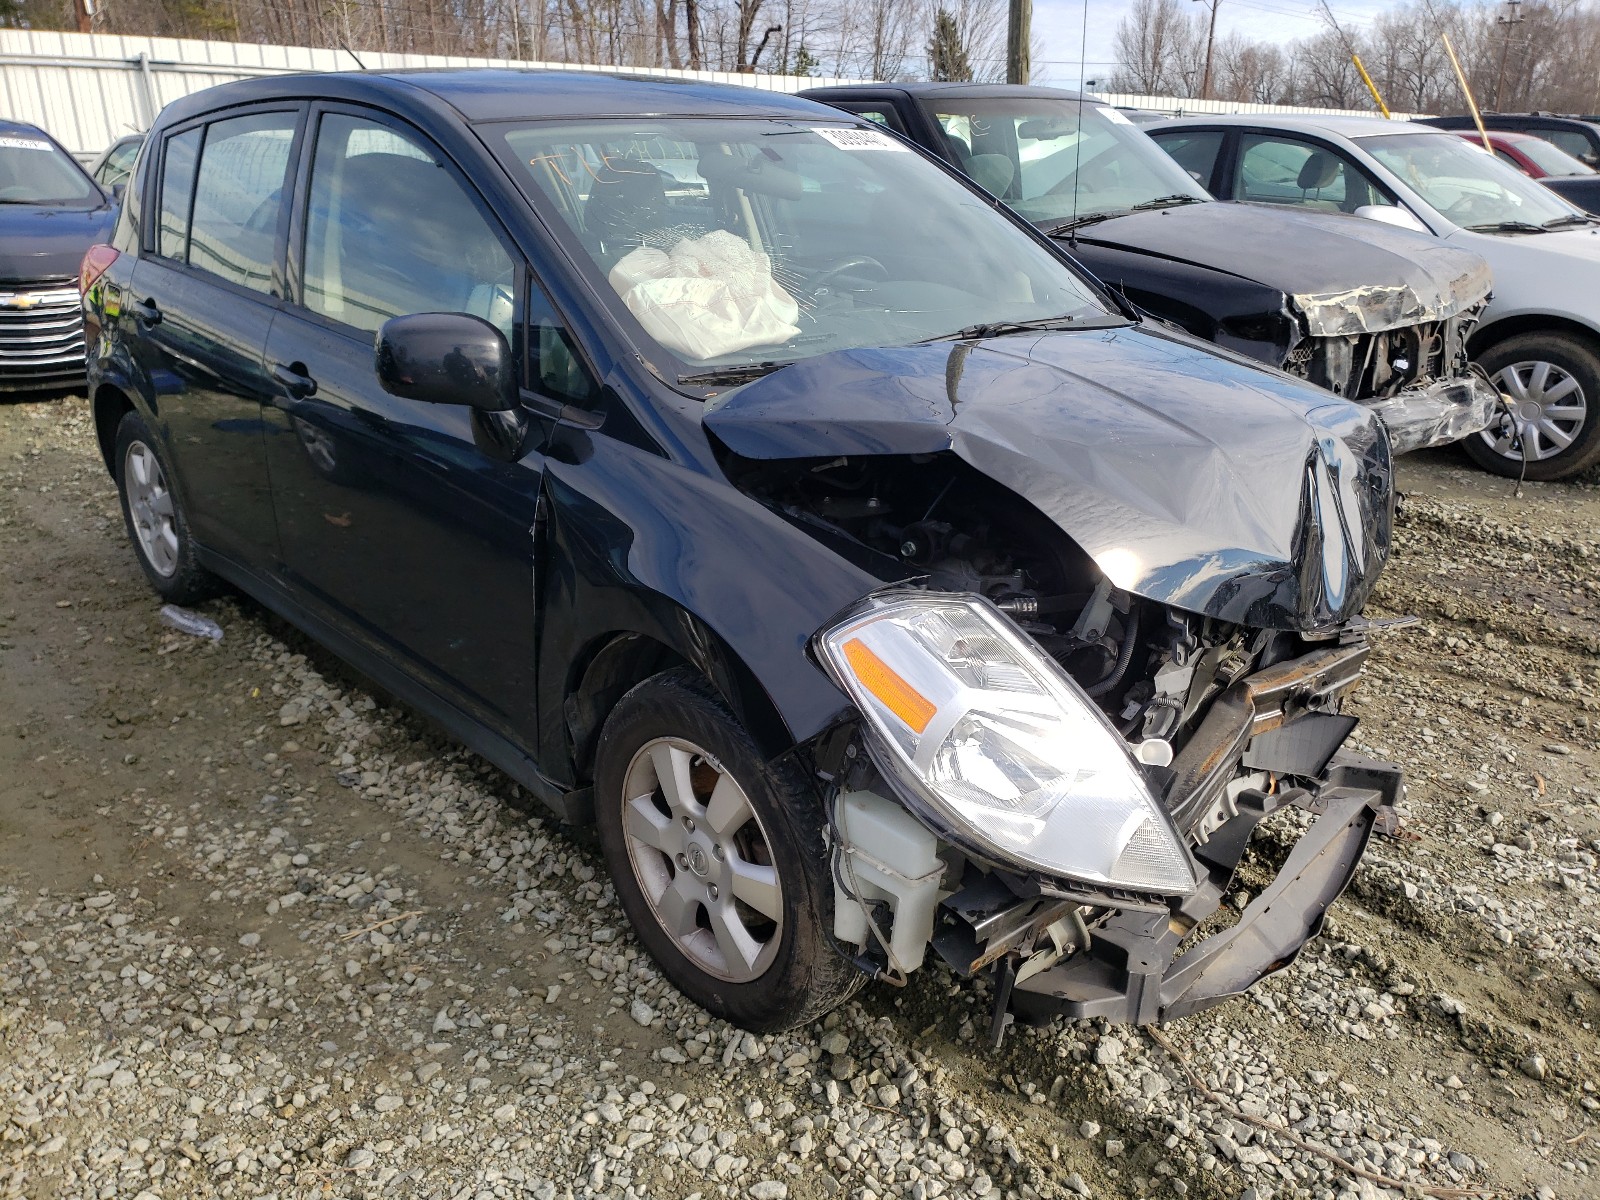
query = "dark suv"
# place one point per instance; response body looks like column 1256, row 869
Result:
column 645, row 436
column 1578, row 136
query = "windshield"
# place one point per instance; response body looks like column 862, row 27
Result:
column 1467, row 186
column 34, row 170
column 1552, row 160
column 1055, row 159
column 738, row 243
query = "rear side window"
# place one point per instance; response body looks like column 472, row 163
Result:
column 389, row 232
column 239, row 196
column 177, row 190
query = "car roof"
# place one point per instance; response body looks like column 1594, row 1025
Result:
column 1509, row 136
column 976, row 91
column 1344, row 126
column 495, row 93
column 11, row 128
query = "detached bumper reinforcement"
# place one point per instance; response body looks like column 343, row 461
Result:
column 1443, row 412
column 1129, row 973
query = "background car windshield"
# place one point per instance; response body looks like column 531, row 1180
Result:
column 737, row 242
column 34, row 170
column 1055, row 159
column 1465, row 184
column 1552, row 160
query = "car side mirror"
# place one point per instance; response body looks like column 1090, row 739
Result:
column 447, row 358
column 117, row 190
column 1392, row 214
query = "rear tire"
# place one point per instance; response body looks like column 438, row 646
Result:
column 718, row 858
column 154, row 516
column 1553, row 381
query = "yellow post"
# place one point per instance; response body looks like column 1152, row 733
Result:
column 1461, row 77
column 1372, row 87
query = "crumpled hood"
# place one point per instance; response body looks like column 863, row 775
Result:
column 1192, row 478
column 38, row 242
column 1346, row 275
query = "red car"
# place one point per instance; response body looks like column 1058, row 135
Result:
column 1574, row 181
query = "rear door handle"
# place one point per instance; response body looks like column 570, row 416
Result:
column 295, row 380
column 146, row 312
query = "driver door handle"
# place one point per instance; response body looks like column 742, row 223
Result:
column 295, row 380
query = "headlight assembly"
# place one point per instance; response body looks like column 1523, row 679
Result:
column 1000, row 743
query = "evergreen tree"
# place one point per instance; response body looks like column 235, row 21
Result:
column 947, row 52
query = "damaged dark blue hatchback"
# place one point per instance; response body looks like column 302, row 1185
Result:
column 736, row 477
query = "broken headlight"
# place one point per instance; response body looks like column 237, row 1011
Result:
column 1000, row 744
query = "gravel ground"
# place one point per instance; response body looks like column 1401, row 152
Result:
column 269, row 935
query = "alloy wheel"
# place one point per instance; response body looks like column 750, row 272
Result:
column 1548, row 411
column 702, row 860
column 150, row 503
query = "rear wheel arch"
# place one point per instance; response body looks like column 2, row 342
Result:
column 110, row 405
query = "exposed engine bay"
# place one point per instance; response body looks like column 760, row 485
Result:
column 1227, row 722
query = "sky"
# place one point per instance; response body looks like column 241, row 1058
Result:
column 1058, row 27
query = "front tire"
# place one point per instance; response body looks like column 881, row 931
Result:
column 154, row 516
column 718, row 858
column 1553, row 381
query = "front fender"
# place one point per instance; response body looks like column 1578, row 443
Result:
column 636, row 543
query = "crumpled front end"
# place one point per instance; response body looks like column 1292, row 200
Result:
column 1106, row 940
column 1405, row 360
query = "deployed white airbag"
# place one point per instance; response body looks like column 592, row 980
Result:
column 709, row 296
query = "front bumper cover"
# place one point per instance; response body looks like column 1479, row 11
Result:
column 1442, row 412
column 1132, row 972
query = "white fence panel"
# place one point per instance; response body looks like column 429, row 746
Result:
column 1177, row 107
column 90, row 89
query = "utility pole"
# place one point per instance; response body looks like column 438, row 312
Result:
column 1211, row 38
column 1513, row 16
column 1019, row 33
column 84, row 11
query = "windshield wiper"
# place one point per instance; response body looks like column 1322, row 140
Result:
column 1508, row 227
column 728, row 376
column 1169, row 201
column 1078, row 222
column 1569, row 219
column 1000, row 329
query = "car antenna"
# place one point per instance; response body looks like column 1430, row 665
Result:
column 345, row 46
column 1077, row 150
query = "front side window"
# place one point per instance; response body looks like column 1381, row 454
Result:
column 1466, row 186
column 761, row 242
column 238, row 197
column 1060, row 160
column 34, row 170
column 390, row 232
column 1551, row 159
column 1195, row 152
column 1575, row 144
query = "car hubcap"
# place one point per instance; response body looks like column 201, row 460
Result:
column 1548, row 409
column 150, row 502
column 702, row 859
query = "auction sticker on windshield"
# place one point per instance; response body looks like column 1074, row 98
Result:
column 859, row 139
column 16, row 143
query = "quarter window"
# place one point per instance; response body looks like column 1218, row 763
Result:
column 177, row 190
column 389, row 232
column 239, row 196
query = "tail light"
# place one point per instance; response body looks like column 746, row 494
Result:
column 95, row 264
